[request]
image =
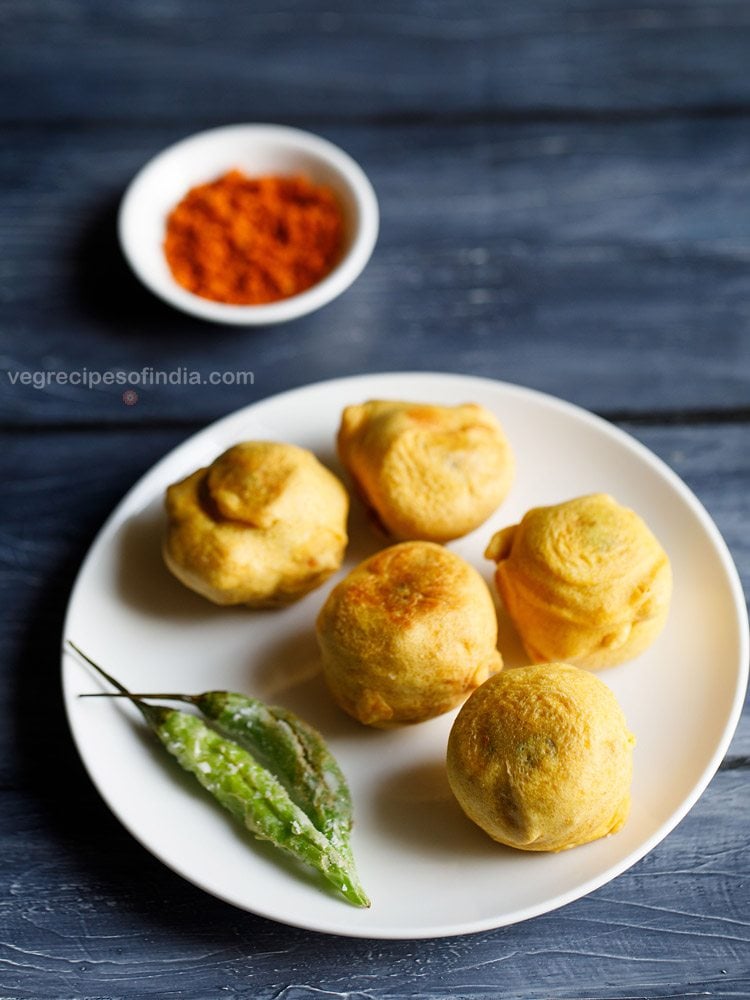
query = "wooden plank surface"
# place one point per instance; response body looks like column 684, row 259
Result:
column 673, row 926
column 605, row 264
column 193, row 61
column 565, row 194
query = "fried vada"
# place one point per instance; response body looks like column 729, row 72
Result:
column 540, row 757
column 407, row 635
column 585, row 581
column 262, row 525
column 426, row 472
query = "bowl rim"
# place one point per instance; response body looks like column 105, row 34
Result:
column 353, row 177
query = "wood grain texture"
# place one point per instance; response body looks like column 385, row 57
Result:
column 190, row 61
column 673, row 926
column 606, row 264
column 565, row 194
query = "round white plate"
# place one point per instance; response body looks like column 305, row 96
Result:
column 429, row 870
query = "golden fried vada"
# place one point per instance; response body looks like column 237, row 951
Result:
column 426, row 472
column 264, row 524
column 407, row 635
column 585, row 581
column 540, row 757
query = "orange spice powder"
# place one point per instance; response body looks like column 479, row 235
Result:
column 249, row 240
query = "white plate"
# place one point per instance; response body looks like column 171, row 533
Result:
column 430, row 872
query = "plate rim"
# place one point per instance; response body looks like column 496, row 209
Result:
column 462, row 928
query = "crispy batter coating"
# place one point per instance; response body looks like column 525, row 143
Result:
column 264, row 524
column 407, row 635
column 584, row 581
column 427, row 472
column 540, row 758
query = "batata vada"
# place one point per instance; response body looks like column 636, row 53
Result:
column 427, row 472
column 407, row 635
column 264, row 524
column 540, row 758
column 585, row 581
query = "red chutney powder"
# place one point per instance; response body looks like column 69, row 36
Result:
column 249, row 240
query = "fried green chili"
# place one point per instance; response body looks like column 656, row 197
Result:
column 293, row 750
column 249, row 790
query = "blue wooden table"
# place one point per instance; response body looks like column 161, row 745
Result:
column 565, row 198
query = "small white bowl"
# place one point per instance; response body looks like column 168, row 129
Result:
column 254, row 149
